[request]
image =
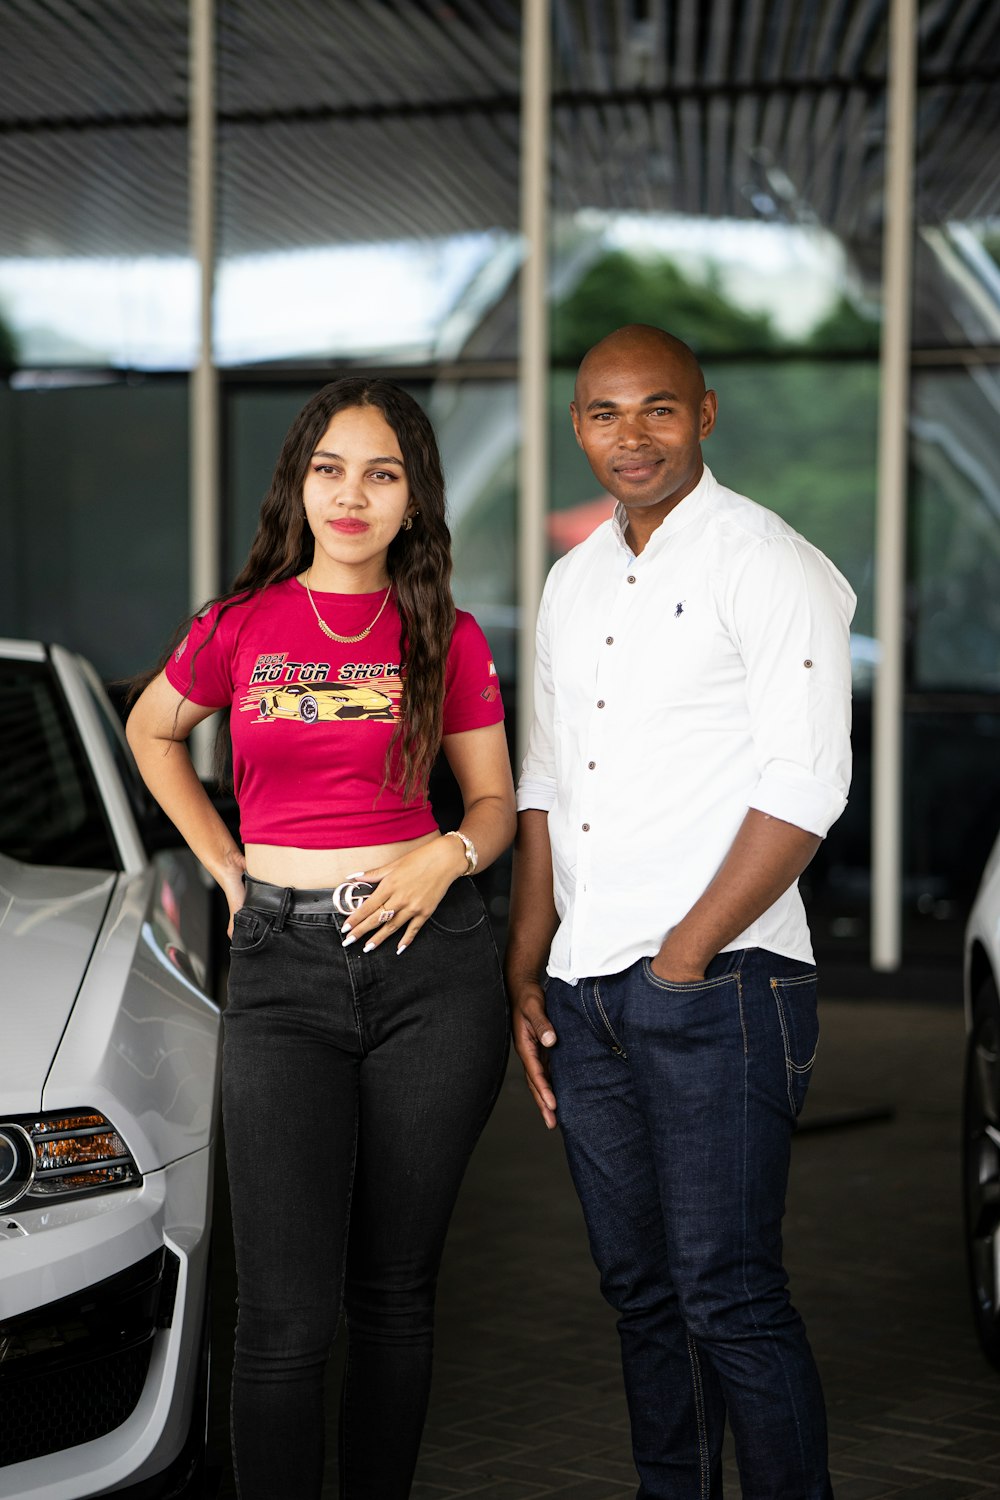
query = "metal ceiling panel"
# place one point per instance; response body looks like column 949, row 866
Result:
column 346, row 121
column 364, row 54
column 92, row 60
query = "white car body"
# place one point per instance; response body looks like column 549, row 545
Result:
column 981, row 1107
column 104, row 1006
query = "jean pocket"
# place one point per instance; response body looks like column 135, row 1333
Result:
column 597, row 1018
column 460, row 909
column 251, row 930
column 795, row 1000
column 683, row 986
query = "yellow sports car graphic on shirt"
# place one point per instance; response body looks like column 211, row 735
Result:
column 313, row 701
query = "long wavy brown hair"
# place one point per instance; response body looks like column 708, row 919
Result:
column 419, row 563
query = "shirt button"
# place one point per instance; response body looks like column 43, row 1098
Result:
column 609, row 640
column 591, row 764
column 586, row 827
column 600, row 702
column 631, row 578
column 807, row 662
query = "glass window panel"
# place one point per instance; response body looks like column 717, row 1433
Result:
column 479, row 429
column 956, row 293
column 50, row 811
column 256, row 420
column 409, row 301
column 800, row 437
column 94, row 508
column 117, row 312
column 724, row 112
column 724, row 286
column 956, row 285
column 955, row 521
column 957, row 178
column 718, row 170
column 951, row 813
column 366, row 211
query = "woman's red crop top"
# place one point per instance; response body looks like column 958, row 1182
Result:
column 311, row 718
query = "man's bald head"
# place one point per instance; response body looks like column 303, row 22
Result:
column 640, row 413
column 640, row 340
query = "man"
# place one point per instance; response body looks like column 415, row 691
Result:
column 690, row 749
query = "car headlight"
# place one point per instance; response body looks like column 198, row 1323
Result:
column 58, row 1154
column 17, row 1163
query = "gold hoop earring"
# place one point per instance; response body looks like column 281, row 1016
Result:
column 407, row 523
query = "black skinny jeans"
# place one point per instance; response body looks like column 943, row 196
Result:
column 355, row 1086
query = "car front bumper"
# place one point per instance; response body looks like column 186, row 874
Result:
column 100, row 1321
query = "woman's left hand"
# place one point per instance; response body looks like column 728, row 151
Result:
column 409, row 890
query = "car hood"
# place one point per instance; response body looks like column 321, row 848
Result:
column 49, row 922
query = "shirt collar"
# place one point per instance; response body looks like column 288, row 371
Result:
column 683, row 513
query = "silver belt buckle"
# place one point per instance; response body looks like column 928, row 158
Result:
column 350, row 894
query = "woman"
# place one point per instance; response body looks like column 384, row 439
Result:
column 365, row 1029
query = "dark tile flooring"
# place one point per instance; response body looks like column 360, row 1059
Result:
column 527, row 1401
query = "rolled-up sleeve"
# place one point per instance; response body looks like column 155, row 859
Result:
column 790, row 614
column 537, row 785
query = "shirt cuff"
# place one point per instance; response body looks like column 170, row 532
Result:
column 810, row 804
column 536, row 792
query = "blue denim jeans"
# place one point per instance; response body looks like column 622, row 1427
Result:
column 677, row 1104
column 355, row 1086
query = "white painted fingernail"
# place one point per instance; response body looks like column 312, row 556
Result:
column 348, row 941
column 346, row 927
column 368, row 947
column 401, row 948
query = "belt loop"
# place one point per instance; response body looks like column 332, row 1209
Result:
column 286, row 901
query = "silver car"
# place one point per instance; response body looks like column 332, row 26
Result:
column 109, row 1051
column 981, row 1107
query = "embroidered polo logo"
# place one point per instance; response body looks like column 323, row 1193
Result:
column 680, row 608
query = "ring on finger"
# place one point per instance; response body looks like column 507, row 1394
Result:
column 385, row 914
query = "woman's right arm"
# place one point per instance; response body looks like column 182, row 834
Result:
column 157, row 730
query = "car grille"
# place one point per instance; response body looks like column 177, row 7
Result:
column 45, row 1414
column 74, row 1370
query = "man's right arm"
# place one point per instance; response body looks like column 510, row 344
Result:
column 533, row 923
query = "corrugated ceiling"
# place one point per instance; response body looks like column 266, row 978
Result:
column 363, row 120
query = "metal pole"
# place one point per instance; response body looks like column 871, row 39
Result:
column 890, row 535
column 534, row 351
column 204, row 562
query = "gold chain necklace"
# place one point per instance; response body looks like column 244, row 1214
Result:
column 345, row 640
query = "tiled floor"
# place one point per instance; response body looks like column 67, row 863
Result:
column 527, row 1402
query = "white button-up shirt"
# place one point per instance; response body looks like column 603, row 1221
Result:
column 673, row 691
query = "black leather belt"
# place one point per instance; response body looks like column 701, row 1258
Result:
column 285, row 900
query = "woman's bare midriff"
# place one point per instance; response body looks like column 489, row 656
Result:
column 321, row 869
